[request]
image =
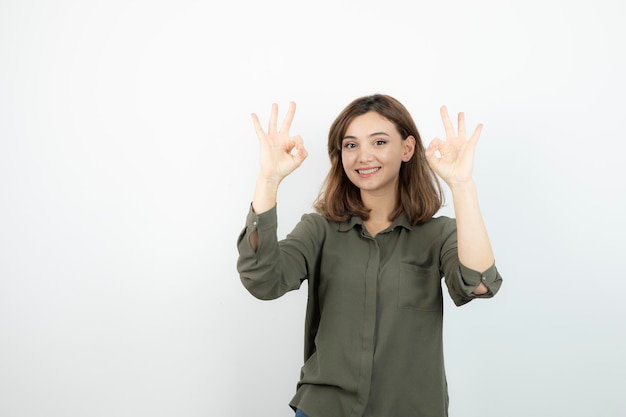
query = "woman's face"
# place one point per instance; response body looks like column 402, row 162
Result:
column 372, row 151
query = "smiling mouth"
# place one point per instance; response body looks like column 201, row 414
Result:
column 367, row 171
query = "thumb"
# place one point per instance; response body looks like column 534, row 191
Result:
column 431, row 151
column 300, row 153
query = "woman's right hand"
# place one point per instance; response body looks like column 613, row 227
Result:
column 281, row 154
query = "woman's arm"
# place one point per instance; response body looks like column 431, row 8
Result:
column 474, row 247
column 452, row 160
column 280, row 154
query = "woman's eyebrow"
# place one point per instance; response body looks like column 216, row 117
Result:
column 370, row 136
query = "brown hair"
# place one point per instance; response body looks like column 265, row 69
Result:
column 420, row 194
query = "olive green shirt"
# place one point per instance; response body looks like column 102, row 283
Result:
column 373, row 330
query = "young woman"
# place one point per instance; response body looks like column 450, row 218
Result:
column 374, row 256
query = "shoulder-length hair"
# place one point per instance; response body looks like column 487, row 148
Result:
column 420, row 194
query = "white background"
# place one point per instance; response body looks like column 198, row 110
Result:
column 128, row 159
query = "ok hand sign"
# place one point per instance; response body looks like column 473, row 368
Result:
column 453, row 158
column 280, row 153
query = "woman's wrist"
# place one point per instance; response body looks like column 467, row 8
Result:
column 265, row 194
column 457, row 187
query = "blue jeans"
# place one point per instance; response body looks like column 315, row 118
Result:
column 299, row 413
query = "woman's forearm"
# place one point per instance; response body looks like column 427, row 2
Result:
column 474, row 247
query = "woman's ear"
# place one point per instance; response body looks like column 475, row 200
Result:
column 408, row 146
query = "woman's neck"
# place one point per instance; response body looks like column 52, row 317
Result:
column 381, row 206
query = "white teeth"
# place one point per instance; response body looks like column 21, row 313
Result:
column 367, row 171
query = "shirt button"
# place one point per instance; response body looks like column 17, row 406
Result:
column 253, row 223
column 483, row 278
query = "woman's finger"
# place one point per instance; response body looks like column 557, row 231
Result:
column 433, row 149
column 462, row 125
column 288, row 117
column 447, row 124
column 301, row 152
column 257, row 126
column 476, row 134
column 273, row 119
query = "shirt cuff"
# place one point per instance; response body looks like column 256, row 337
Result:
column 264, row 221
column 472, row 279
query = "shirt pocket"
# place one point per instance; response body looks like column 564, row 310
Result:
column 419, row 288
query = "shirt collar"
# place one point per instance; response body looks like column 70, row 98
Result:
column 346, row 225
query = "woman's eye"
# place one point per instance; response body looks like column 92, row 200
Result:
column 380, row 142
column 349, row 146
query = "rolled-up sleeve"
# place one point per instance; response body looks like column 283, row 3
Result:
column 469, row 279
column 461, row 280
column 276, row 267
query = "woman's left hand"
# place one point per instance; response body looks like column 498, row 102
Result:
column 453, row 158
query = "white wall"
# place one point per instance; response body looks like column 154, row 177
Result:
column 127, row 163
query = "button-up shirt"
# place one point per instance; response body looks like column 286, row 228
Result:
column 373, row 338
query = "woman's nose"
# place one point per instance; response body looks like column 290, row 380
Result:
column 365, row 154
